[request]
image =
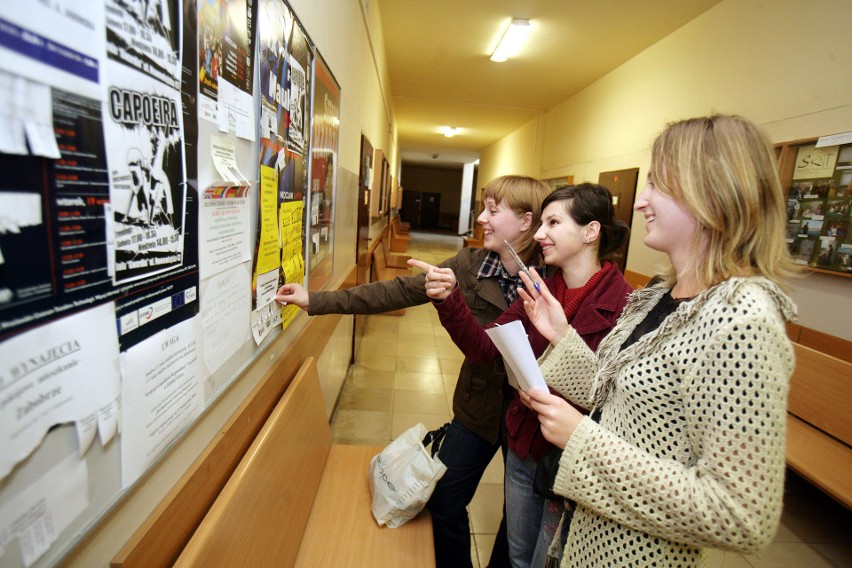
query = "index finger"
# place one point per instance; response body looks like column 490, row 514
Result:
column 424, row 266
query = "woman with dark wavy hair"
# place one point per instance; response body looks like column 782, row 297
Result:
column 578, row 236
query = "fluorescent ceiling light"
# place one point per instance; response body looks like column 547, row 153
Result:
column 450, row 131
column 512, row 40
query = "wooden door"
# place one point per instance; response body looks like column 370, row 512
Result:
column 622, row 185
column 430, row 209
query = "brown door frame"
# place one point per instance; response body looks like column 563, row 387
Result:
column 622, row 185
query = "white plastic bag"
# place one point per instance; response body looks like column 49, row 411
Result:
column 403, row 477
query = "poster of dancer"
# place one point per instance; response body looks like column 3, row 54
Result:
column 145, row 159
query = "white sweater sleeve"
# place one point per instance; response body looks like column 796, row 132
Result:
column 725, row 489
column 569, row 368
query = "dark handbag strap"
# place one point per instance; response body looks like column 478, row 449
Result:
column 435, row 437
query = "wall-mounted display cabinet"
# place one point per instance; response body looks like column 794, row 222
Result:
column 817, row 176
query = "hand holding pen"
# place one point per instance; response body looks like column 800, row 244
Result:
column 543, row 309
column 521, row 264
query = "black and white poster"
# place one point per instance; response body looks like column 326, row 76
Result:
column 145, row 157
column 146, row 36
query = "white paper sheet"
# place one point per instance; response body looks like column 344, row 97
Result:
column 41, row 41
column 39, row 513
column 226, row 314
column 511, row 340
column 36, row 108
column 235, row 110
column 224, row 225
column 161, row 394
column 834, row 140
column 12, row 137
column 224, row 154
column 64, row 371
column 265, row 319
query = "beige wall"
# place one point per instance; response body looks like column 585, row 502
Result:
column 783, row 64
column 338, row 28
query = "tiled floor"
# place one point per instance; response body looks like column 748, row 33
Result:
column 406, row 371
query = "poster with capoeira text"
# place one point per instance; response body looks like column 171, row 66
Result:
column 143, row 129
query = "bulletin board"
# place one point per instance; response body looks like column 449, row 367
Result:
column 155, row 169
column 817, row 177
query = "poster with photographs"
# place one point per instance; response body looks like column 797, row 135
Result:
column 226, row 37
column 819, row 201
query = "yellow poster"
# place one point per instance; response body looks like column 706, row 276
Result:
column 292, row 253
column 269, row 241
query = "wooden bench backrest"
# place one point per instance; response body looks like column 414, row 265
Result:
column 636, row 279
column 384, row 247
column 379, row 263
column 261, row 514
column 821, row 392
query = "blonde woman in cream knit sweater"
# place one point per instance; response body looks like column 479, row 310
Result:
column 684, row 449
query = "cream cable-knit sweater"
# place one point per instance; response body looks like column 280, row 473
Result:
column 689, row 451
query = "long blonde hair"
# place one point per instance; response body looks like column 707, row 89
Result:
column 724, row 170
column 523, row 195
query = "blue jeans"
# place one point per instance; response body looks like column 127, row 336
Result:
column 466, row 456
column 531, row 520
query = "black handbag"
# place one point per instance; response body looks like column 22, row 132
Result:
column 545, row 475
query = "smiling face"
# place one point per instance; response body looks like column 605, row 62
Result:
column 562, row 240
column 501, row 223
column 669, row 224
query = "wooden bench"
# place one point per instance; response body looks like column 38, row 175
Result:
column 476, row 239
column 402, row 227
column 398, row 239
column 819, row 422
column 381, row 271
column 296, row 499
column 392, row 259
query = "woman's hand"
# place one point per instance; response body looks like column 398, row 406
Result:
column 440, row 282
column 557, row 417
column 293, row 294
column 545, row 311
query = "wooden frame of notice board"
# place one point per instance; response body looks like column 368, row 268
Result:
column 816, row 175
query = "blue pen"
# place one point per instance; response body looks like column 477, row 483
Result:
column 522, row 265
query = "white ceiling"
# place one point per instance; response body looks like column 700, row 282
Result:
column 440, row 74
